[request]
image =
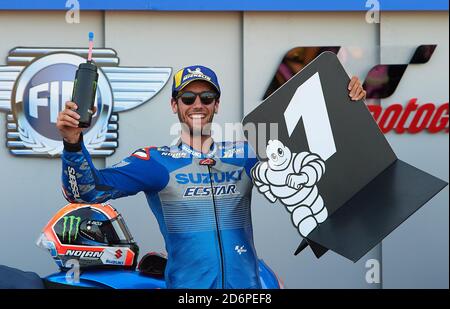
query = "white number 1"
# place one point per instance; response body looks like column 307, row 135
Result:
column 308, row 103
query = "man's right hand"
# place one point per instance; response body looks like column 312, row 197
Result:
column 67, row 123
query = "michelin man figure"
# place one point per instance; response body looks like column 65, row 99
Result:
column 292, row 178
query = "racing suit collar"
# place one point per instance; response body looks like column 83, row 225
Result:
column 197, row 154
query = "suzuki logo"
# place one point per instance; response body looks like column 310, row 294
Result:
column 118, row 253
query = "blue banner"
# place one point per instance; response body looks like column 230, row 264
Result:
column 227, row 5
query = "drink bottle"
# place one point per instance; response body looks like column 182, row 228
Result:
column 85, row 88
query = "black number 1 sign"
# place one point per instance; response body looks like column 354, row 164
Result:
column 330, row 165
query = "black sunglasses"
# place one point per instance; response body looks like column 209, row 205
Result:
column 188, row 97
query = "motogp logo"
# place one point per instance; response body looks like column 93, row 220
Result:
column 37, row 83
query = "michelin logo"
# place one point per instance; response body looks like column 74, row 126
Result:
column 195, row 73
column 292, row 178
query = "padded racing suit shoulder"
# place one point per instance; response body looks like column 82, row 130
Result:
column 82, row 182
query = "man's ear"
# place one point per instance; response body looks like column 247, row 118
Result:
column 216, row 106
column 174, row 105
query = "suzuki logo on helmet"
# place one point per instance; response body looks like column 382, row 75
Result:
column 118, row 253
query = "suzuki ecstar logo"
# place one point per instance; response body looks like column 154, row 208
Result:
column 37, row 82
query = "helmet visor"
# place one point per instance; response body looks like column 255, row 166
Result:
column 110, row 232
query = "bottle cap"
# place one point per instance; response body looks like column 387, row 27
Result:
column 88, row 66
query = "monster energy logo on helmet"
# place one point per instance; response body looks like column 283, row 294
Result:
column 71, row 225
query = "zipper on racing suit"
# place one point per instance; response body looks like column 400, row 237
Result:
column 210, row 162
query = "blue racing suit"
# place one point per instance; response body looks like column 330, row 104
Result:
column 202, row 206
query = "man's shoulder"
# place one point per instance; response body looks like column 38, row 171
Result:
column 156, row 152
column 143, row 153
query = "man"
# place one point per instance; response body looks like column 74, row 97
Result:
column 199, row 190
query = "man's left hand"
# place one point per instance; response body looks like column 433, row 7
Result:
column 356, row 91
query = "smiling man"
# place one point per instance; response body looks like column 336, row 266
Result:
column 199, row 190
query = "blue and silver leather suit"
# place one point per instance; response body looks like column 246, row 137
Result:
column 203, row 211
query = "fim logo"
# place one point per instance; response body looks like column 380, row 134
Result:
column 36, row 83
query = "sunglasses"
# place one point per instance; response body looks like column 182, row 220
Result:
column 206, row 97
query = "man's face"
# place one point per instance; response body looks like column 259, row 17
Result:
column 197, row 116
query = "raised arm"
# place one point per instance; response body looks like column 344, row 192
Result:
column 82, row 182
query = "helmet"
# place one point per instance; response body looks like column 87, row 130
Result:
column 93, row 234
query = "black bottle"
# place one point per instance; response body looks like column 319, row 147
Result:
column 84, row 90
